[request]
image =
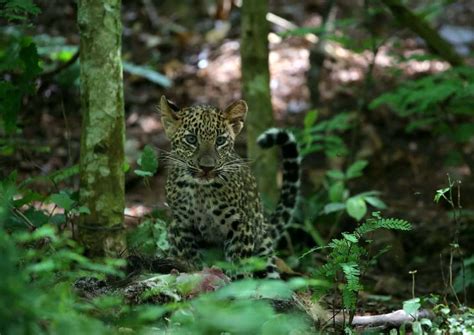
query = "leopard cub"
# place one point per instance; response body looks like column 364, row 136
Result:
column 211, row 191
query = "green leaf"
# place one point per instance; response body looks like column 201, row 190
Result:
column 334, row 207
column 28, row 197
column 350, row 237
column 64, row 174
column 142, row 173
column 83, row 210
column 356, row 207
column 426, row 322
column 125, row 167
column 37, row 217
column 58, row 219
column 274, row 289
column 18, row 9
column 63, row 200
column 334, row 146
column 336, row 191
column 411, row 306
column 441, row 193
column 148, row 162
column 10, row 102
column 30, row 58
column 379, row 223
column 416, row 328
column 376, row 202
column 355, row 170
column 335, row 174
column 310, row 119
column 463, row 132
column 148, row 73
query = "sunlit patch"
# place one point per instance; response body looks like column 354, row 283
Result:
column 149, row 124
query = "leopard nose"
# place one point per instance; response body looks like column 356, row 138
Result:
column 206, row 163
column 206, row 168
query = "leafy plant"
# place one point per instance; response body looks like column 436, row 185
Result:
column 148, row 162
column 464, row 279
column 26, row 206
column 335, row 197
column 445, row 320
column 38, row 269
column 339, row 194
column 21, row 61
column 453, row 321
column 18, row 10
column 442, row 102
column 149, row 238
column 19, row 67
column 324, row 135
column 348, row 258
column 235, row 309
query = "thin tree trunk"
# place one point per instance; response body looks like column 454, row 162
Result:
column 317, row 54
column 256, row 91
column 103, row 127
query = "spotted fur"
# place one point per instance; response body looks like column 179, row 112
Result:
column 211, row 191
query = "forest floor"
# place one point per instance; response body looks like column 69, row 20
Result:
column 201, row 56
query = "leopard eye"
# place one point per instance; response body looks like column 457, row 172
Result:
column 191, row 139
column 221, row 140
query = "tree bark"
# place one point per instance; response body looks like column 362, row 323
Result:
column 256, row 91
column 420, row 27
column 103, row 127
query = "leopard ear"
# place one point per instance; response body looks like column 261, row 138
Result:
column 169, row 115
column 235, row 113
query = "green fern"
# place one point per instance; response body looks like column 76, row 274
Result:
column 353, row 286
column 348, row 257
column 390, row 223
column 435, row 101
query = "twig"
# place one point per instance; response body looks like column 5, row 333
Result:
column 455, row 244
column 443, row 277
column 61, row 67
column 280, row 21
column 412, row 283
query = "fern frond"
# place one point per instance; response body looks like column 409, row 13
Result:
column 349, row 293
column 390, row 223
column 352, row 275
column 349, row 298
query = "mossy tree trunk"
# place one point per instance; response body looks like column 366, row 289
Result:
column 103, row 127
column 256, row 91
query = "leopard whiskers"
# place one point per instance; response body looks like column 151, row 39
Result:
column 176, row 161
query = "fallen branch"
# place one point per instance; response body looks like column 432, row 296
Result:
column 393, row 319
column 420, row 27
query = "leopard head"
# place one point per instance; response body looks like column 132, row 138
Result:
column 202, row 138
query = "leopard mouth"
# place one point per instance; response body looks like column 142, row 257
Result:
column 204, row 176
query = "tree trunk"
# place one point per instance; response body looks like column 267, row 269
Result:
column 103, row 127
column 256, row 91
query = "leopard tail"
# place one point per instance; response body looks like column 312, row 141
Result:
column 291, row 159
